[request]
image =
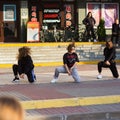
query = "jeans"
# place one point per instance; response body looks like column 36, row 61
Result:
column 62, row 69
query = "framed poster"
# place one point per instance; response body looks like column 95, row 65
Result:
column 9, row 12
column 110, row 12
column 95, row 9
column 107, row 11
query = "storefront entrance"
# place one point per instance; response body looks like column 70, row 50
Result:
column 9, row 21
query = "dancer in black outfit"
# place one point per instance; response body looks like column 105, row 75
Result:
column 25, row 65
column 109, row 61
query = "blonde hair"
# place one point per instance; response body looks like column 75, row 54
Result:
column 23, row 52
column 10, row 109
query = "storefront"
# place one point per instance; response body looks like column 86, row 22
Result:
column 52, row 15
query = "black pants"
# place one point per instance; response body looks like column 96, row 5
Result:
column 30, row 74
column 90, row 32
column 112, row 67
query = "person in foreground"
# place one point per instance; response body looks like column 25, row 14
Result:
column 109, row 61
column 25, row 65
column 10, row 109
column 69, row 60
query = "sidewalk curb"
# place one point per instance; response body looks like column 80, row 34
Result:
column 86, row 116
column 66, row 102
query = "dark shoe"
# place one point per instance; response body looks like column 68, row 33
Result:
column 16, row 79
column 34, row 77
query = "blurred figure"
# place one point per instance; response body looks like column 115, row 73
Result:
column 25, row 65
column 89, row 22
column 69, row 60
column 10, row 109
column 109, row 61
column 116, row 32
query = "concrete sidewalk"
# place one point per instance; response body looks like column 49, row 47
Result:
column 65, row 100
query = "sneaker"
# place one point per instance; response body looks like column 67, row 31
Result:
column 34, row 77
column 95, row 40
column 54, row 80
column 15, row 79
column 99, row 76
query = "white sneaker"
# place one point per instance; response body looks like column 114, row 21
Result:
column 95, row 40
column 54, row 80
column 99, row 76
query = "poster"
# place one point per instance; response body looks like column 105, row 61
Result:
column 95, row 9
column 107, row 11
column 9, row 12
column 110, row 13
column 33, row 32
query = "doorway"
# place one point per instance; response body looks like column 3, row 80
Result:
column 9, row 21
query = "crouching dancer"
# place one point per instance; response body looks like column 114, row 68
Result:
column 109, row 61
column 69, row 60
column 25, row 65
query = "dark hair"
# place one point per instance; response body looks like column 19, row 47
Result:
column 70, row 46
column 89, row 13
column 23, row 52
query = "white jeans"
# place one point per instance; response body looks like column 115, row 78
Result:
column 62, row 69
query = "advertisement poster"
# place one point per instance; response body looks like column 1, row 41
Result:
column 9, row 12
column 95, row 9
column 33, row 32
column 110, row 13
column 107, row 11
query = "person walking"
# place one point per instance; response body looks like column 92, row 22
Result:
column 89, row 22
column 116, row 32
column 109, row 61
column 69, row 60
column 25, row 65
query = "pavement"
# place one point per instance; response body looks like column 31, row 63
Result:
column 91, row 99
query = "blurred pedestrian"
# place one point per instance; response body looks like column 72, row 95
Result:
column 116, row 32
column 25, row 65
column 69, row 60
column 89, row 22
column 10, row 109
column 109, row 60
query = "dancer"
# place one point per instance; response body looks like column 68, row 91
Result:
column 69, row 60
column 109, row 61
column 25, row 65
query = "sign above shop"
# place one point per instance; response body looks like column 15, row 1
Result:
column 51, row 13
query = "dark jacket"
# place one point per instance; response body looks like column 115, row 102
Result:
column 115, row 29
column 110, row 54
column 89, row 21
column 25, row 64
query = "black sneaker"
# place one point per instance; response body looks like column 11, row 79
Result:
column 34, row 77
column 15, row 79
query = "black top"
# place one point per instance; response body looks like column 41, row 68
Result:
column 70, row 59
column 115, row 28
column 110, row 54
column 89, row 21
column 25, row 64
